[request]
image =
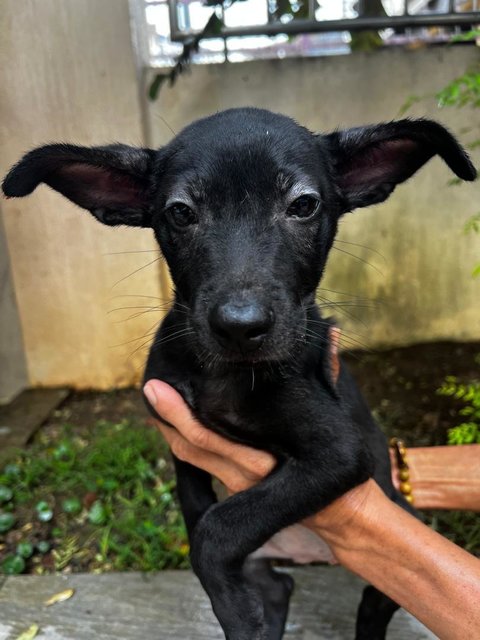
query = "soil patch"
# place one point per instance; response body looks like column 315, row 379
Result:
column 400, row 387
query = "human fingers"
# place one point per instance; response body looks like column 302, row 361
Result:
column 229, row 474
column 171, row 407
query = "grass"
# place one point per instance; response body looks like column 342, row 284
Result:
column 103, row 501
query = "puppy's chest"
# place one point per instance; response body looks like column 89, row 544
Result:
column 241, row 412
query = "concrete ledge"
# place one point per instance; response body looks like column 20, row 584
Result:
column 21, row 418
column 171, row 605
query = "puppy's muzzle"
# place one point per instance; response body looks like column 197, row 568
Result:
column 241, row 326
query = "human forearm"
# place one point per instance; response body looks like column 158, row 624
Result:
column 444, row 477
column 435, row 580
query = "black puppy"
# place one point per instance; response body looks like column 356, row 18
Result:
column 245, row 206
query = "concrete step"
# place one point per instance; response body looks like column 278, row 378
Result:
column 171, row 605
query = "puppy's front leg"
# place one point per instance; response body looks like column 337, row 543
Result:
column 194, row 486
column 230, row 530
column 195, row 492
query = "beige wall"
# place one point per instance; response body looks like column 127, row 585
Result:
column 68, row 74
column 422, row 278
column 13, row 370
column 69, row 71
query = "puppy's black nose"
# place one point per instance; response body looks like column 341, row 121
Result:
column 241, row 327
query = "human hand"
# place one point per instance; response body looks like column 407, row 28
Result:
column 238, row 467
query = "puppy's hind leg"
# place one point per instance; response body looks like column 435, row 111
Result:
column 276, row 589
column 374, row 613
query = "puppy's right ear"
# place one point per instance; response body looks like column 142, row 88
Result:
column 112, row 182
column 369, row 162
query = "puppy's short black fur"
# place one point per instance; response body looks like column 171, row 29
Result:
column 245, row 206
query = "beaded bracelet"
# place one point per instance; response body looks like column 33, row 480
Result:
column 403, row 471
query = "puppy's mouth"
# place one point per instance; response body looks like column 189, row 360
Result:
column 274, row 349
column 249, row 359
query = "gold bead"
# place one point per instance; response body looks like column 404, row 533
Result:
column 402, row 451
column 405, row 488
column 409, row 498
column 404, row 474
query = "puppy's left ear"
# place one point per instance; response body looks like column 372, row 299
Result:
column 370, row 161
column 112, row 182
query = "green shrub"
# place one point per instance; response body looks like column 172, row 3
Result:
column 467, row 432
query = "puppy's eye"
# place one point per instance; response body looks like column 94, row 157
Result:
column 303, row 207
column 181, row 215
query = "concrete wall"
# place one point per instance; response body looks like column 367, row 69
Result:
column 414, row 271
column 13, row 369
column 68, row 74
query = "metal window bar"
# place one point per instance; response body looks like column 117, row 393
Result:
column 452, row 18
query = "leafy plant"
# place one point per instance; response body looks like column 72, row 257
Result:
column 25, row 549
column 7, row 520
column 13, row 565
column 467, row 432
column 462, row 92
column 6, row 494
column 102, row 502
column 44, row 511
column 72, row 505
column 66, row 551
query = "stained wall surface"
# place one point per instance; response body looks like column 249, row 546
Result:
column 70, row 73
column 13, row 369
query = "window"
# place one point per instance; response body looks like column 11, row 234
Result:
column 255, row 29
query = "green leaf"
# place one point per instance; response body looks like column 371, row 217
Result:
column 213, row 27
column 166, row 498
column 110, row 484
column 7, row 520
column 97, row 514
column 466, row 433
column 473, row 145
column 25, row 549
column 72, row 505
column 466, row 37
column 43, row 546
column 12, row 470
column 6, row 494
column 64, row 451
column 30, row 633
column 156, row 85
column 472, row 225
column 13, row 565
column 44, row 511
column 453, row 182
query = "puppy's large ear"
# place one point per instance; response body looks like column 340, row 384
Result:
column 112, row 182
column 370, row 161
